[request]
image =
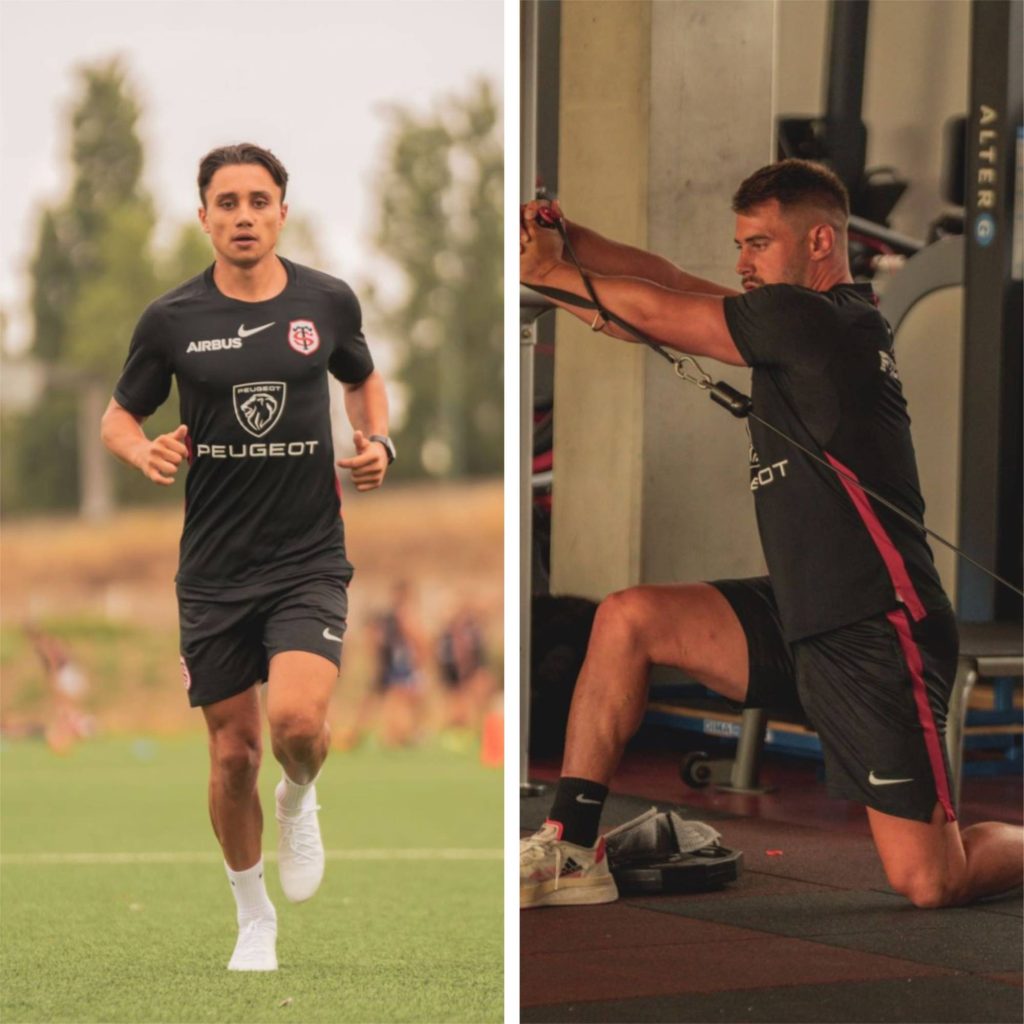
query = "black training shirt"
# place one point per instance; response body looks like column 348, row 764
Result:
column 824, row 372
column 262, row 502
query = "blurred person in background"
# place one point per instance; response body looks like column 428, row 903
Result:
column 394, row 703
column 68, row 687
column 462, row 662
column 262, row 578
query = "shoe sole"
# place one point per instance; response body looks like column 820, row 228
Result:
column 571, row 893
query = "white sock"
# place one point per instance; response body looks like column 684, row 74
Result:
column 293, row 796
column 250, row 892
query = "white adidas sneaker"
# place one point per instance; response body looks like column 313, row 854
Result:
column 300, row 850
column 553, row 873
column 256, row 948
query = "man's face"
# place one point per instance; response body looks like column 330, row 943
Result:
column 773, row 246
column 243, row 214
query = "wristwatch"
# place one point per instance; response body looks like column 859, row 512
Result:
column 389, row 446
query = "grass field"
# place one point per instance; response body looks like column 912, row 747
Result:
column 116, row 908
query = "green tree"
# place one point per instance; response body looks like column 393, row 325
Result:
column 102, row 228
column 440, row 195
column 92, row 274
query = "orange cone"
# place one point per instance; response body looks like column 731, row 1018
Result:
column 492, row 742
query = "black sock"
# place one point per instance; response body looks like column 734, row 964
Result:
column 577, row 807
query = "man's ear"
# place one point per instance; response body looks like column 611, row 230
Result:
column 202, row 219
column 823, row 241
column 284, row 213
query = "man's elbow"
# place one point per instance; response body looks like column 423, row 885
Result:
column 351, row 387
column 112, row 418
column 105, row 427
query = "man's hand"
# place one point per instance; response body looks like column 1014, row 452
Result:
column 368, row 465
column 540, row 248
column 528, row 217
column 160, row 458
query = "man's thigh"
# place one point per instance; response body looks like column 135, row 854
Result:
column 880, row 715
column 769, row 670
column 309, row 615
column 303, row 634
column 299, row 689
column 221, row 645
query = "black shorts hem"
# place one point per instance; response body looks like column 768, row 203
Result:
column 839, row 793
column 216, row 699
column 334, row 659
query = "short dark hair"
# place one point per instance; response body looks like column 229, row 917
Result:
column 793, row 183
column 241, row 153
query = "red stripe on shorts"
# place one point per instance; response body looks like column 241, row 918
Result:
column 925, row 716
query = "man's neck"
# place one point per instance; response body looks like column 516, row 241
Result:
column 825, row 278
column 262, row 281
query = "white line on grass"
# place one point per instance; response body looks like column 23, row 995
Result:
column 211, row 857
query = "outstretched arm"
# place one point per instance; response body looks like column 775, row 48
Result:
column 600, row 255
column 687, row 321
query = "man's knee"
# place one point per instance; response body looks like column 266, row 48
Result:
column 235, row 759
column 620, row 616
column 296, row 729
column 927, row 890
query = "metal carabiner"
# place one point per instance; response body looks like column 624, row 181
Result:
column 704, row 381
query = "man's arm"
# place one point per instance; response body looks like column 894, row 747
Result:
column 366, row 404
column 158, row 460
column 604, row 256
column 687, row 321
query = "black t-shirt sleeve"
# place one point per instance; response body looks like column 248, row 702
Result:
column 145, row 381
column 350, row 361
column 776, row 325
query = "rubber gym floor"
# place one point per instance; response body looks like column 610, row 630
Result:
column 810, row 931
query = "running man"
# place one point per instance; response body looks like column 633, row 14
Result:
column 262, row 576
column 851, row 621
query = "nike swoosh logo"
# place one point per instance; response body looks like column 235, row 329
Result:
column 328, row 635
column 581, row 799
column 243, row 333
column 875, row 781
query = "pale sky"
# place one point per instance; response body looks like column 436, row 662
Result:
column 305, row 78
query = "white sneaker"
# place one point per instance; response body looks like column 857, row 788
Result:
column 256, row 948
column 553, row 873
column 300, row 850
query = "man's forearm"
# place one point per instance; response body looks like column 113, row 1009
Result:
column 122, row 433
column 366, row 405
column 686, row 321
column 601, row 255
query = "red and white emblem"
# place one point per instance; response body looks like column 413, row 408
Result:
column 302, row 336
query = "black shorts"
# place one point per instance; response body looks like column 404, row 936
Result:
column 227, row 644
column 876, row 692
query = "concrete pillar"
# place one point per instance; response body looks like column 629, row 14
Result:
column 711, row 126
column 599, row 401
column 665, row 108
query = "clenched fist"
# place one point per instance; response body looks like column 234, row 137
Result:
column 161, row 457
column 368, row 465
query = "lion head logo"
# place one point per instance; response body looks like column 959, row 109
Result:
column 259, row 405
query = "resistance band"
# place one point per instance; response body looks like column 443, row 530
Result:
column 723, row 394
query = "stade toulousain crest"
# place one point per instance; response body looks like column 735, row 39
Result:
column 303, row 336
column 258, row 406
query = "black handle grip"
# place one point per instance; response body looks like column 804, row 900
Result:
column 729, row 398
